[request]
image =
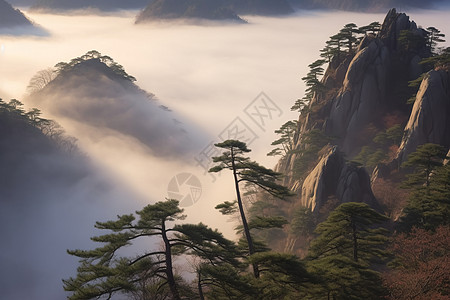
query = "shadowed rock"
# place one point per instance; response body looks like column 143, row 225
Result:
column 430, row 117
column 333, row 176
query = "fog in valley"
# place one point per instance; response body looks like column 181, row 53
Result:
column 209, row 77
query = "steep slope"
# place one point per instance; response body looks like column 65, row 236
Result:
column 430, row 117
column 335, row 177
column 360, row 110
column 10, row 17
column 111, row 101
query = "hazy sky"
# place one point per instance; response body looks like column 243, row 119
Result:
column 208, row 75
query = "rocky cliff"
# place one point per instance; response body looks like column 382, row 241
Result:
column 430, row 117
column 334, row 177
column 364, row 95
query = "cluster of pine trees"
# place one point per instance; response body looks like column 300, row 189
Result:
column 347, row 258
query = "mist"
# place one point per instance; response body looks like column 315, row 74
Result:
column 209, row 76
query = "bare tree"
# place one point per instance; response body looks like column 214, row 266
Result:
column 40, row 80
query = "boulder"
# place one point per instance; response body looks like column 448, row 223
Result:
column 333, row 176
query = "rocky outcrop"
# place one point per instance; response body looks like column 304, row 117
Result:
column 367, row 86
column 333, row 176
column 430, row 117
column 363, row 90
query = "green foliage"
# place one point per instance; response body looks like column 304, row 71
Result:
column 410, row 41
column 348, row 231
column 227, row 208
column 283, row 276
column 62, row 67
column 349, row 242
column 392, row 136
column 312, row 142
column 440, row 60
column 102, row 272
column 434, row 37
column 371, row 155
column 429, row 201
column 286, row 141
column 348, row 35
column 248, row 172
column 303, row 221
column 373, row 28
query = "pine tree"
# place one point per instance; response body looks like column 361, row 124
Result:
column 286, row 140
column 429, row 205
column 246, row 171
column 348, row 34
column 434, row 37
column 373, row 28
column 349, row 242
column 102, row 272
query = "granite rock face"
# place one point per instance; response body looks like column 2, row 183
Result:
column 333, row 176
column 362, row 87
column 430, row 117
column 363, row 90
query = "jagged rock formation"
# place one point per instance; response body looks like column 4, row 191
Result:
column 10, row 17
column 430, row 116
column 366, row 93
column 335, row 177
column 368, row 87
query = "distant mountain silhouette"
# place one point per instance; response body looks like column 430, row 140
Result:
column 185, row 9
column 10, row 17
column 104, row 5
column 359, row 5
column 212, row 10
column 261, row 7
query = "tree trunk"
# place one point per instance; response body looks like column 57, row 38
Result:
column 251, row 248
column 169, row 266
column 355, row 242
column 199, row 286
